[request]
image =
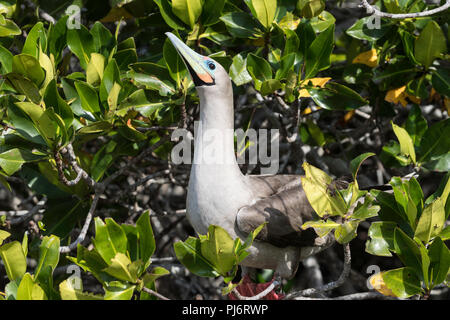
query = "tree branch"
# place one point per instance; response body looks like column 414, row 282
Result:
column 373, row 10
column 154, row 293
column 329, row 286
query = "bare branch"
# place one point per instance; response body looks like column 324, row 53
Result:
column 36, row 209
column 354, row 296
column 84, row 230
column 329, row 286
column 154, row 293
column 373, row 10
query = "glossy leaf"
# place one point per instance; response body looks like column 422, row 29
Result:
column 318, row 53
column 406, row 143
column 430, row 44
column 381, row 241
column 335, row 96
column 13, row 260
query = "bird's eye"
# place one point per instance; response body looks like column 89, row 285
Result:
column 211, row 65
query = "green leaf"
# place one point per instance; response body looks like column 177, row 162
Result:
column 355, row 164
column 146, row 237
column 408, row 251
column 361, row 29
column 416, row 124
column 61, row 216
column 62, row 108
column 441, row 81
column 264, row 11
column 430, row 44
column 381, row 241
column 68, row 292
column 95, row 69
column 48, row 259
column 316, row 183
column 211, row 12
column 4, row 235
column 5, row 60
column 29, row 67
column 57, row 39
column 403, row 199
column 110, row 239
column 431, row 221
column 435, row 142
column 119, row 268
column 346, row 231
column 319, row 52
column 24, row 86
column 189, row 254
column 37, row 38
column 241, row 25
column 286, row 65
column 28, row 290
column 187, row 10
column 111, row 76
column 12, row 160
column 323, row 21
column 218, row 249
column 334, row 96
column 439, row 261
column 270, row 86
column 238, row 70
column 81, row 43
column 259, row 69
column 406, row 143
column 9, row 28
column 88, row 97
column 13, row 260
column 402, row 282
column 153, row 76
column 321, row 227
column 116, row 290
column 169, row 17
column 138, row 101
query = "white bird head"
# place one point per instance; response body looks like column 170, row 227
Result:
column 206, row 73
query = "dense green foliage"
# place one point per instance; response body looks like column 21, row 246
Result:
column 111, row 81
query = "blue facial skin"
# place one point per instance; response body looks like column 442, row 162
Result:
column 210, row 66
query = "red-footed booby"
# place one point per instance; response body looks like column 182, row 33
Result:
column 220, row 194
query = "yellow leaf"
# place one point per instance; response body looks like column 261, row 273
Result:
column 378, row 284
column 349, row 115
column 396, row 96
column 316, row 82
column 369, row 58
column 289, row 22
column 447, row 105
column 399, row 95
column 307, row 111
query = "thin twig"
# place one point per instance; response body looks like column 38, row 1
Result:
column 260, row 295
column 36, row 209
column 329, row 286
column 135, row 160
column 154, row 293
column 354, row 296
column 87, row 222
column 373, row 10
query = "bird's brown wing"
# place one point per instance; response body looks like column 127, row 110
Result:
column 283, row 205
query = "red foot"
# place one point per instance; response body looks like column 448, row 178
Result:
column 249, row 289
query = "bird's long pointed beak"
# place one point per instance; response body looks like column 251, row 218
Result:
column 194, row 61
